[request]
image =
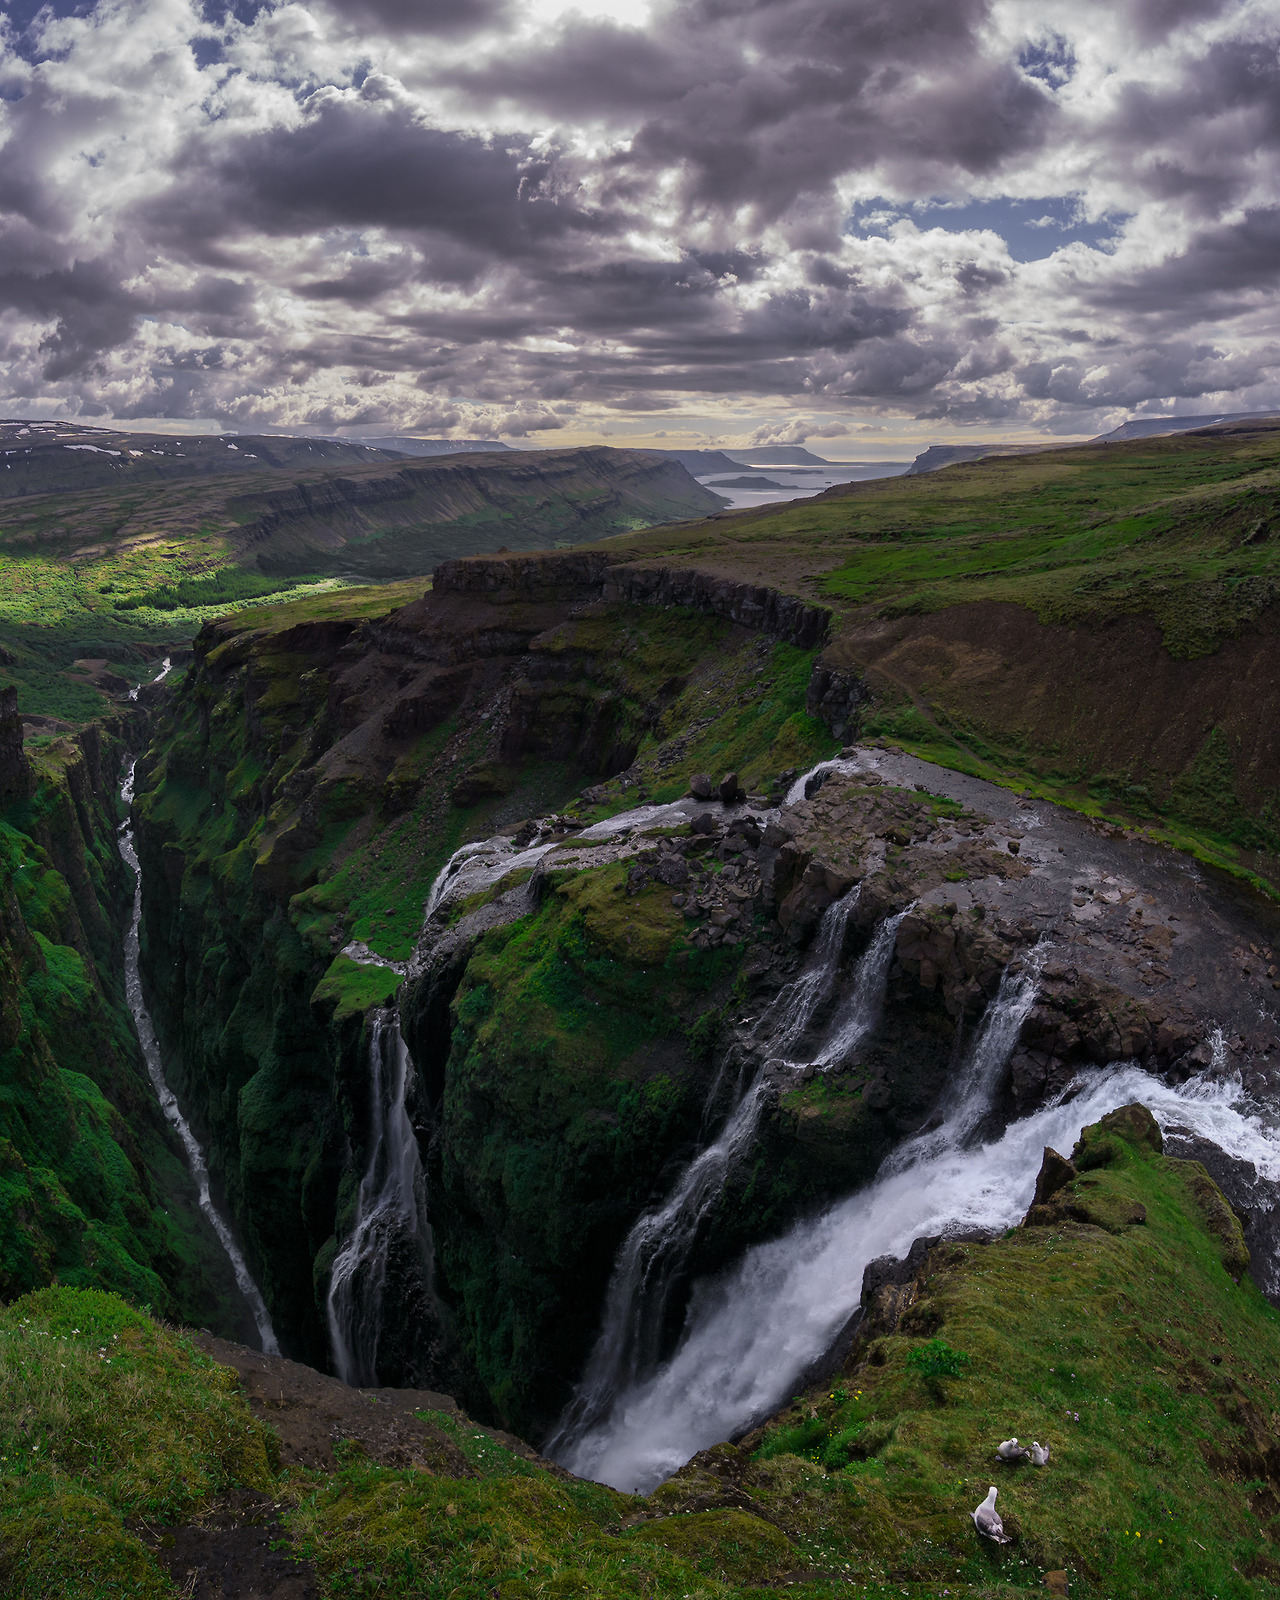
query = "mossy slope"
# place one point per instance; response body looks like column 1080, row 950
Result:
column 1116, row 1333
column 92, row 1191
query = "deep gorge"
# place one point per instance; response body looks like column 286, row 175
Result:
column 602, row 1021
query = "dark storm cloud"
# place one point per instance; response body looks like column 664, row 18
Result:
column 366, row 161
column 762, row 102
column 422, row 16
column 208, row 213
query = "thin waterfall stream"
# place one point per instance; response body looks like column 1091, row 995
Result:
column 390, row 1206
column 168, row 1101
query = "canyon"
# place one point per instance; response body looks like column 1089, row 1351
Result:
column 634, row 1007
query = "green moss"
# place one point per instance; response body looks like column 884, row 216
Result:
column 57, row 1539
column 352, row 988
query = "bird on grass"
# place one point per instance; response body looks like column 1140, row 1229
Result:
column 1039, row 1454
column 986, row 1519
column 1011, row 1451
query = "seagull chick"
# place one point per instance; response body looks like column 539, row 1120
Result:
column 986, row 1519
column 1012, row 1451
column 1039, row 1454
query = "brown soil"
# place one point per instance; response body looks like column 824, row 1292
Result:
column 1112, row 696
column 233, row 1553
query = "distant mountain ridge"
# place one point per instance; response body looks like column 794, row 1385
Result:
column 408, row 445
column 1147, row 427
column 946, row 455
column 38, row 457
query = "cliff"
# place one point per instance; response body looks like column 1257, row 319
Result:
column 92, row 1191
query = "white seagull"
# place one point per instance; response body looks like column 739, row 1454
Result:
column 1039, row 1454
column 986, row 1519
column 1010, row 1450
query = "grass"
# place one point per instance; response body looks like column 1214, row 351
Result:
column 1179, row 532
column 106, row 1417
column 1178, row 528
column 1125, row 1344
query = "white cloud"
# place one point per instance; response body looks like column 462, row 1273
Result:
column 358, row 212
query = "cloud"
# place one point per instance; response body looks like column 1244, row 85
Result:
column 797, row 432
column 414, row 210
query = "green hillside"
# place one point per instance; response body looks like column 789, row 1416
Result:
column 120, row 1438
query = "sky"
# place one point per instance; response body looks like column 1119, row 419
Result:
column 861, row 225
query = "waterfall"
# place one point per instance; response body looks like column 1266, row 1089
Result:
column 793, row 1008
column 651, row 1426
column 654, row 1254
column 751, row 1334
column 859, row 1011
column 390, row 1206
column 165, row 668
column 168, row 1103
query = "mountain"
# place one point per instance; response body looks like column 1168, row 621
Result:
column 777, row 455
column 1150, row 427
column 946, row 455
column 409, row 445
column 699, row 462
column 64, row 457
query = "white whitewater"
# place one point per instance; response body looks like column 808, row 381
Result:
column 793, row 1008
column 859, row 1011
column 654, row 1253
column 477, row 866
column 751, row 1334
column 602, row 1443
column 390, row 1205
column 168, row 1103
column 166, row 666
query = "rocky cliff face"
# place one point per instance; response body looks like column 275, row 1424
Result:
column 307, row 782
column 575, row 1035
column 91, row 1190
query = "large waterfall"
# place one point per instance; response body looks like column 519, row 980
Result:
column 752, row 1333
column 390, row 1206
column 168, row 1102
column 655, row 1252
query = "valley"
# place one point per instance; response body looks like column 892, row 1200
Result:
column 113, row 553
column 628, row 997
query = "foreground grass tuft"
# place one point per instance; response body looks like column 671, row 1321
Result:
column 106, row 1416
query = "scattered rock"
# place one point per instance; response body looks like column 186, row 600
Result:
column 1056, row 1172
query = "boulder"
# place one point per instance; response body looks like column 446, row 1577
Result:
column 1056, row 1172
column 730, row 789
column 701, row 786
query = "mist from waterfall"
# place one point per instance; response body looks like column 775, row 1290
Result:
column 168, row 1101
